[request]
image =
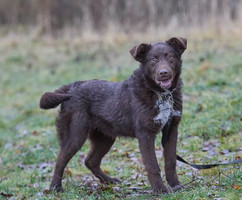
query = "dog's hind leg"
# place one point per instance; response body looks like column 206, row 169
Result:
column 72, row 135
column 100, row 145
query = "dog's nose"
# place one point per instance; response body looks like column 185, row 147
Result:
column 164, row 72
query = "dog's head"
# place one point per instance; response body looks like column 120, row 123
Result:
column 161, row 61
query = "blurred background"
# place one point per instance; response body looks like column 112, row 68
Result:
column 118, row 16
column 48, row 43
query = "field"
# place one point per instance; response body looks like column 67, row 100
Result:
column 210, row 130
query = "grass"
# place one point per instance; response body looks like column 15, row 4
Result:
column 210, row 130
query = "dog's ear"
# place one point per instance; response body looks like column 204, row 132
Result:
column 178, row 43
column 139, row 52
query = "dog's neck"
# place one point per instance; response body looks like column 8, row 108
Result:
column 166, row 94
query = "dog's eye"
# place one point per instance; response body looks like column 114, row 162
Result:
column 168, row 57
column 153, row 59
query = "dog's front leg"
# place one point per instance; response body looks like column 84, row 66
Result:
column 147, row 149
column 170, row 153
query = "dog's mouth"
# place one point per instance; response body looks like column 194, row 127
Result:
column 166, row 84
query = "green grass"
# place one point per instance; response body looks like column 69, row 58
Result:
column 210, row 130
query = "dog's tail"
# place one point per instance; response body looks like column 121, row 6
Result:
column 53, row 99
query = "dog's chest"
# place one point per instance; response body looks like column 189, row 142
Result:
column 165, row 109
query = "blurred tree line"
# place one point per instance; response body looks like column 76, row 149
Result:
column 125, row 15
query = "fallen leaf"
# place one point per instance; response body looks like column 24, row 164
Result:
column 17, row 151
column 35, row 185
column 35, row 133
column 230, row 118
column 46, row 191
column 38, row 147
column 134, row 176
column 68, row 172
column 21, row 166
column 134, row 159
column 210, row 195
column 236, row 187
column 204, row 149
column 182, row 173
column 226, row 151
column 43, row 165
column 23, row 198
column 88, row 183
column 5, row 194
column 127, row 153
column 116, row 189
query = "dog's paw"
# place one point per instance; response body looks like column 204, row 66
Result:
column 177, row 187
column 113, row 181
column 57, row 188
column 158, row 190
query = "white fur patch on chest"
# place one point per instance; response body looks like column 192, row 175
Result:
column 165, row 112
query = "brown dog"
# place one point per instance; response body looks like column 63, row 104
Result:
column 140, row 107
